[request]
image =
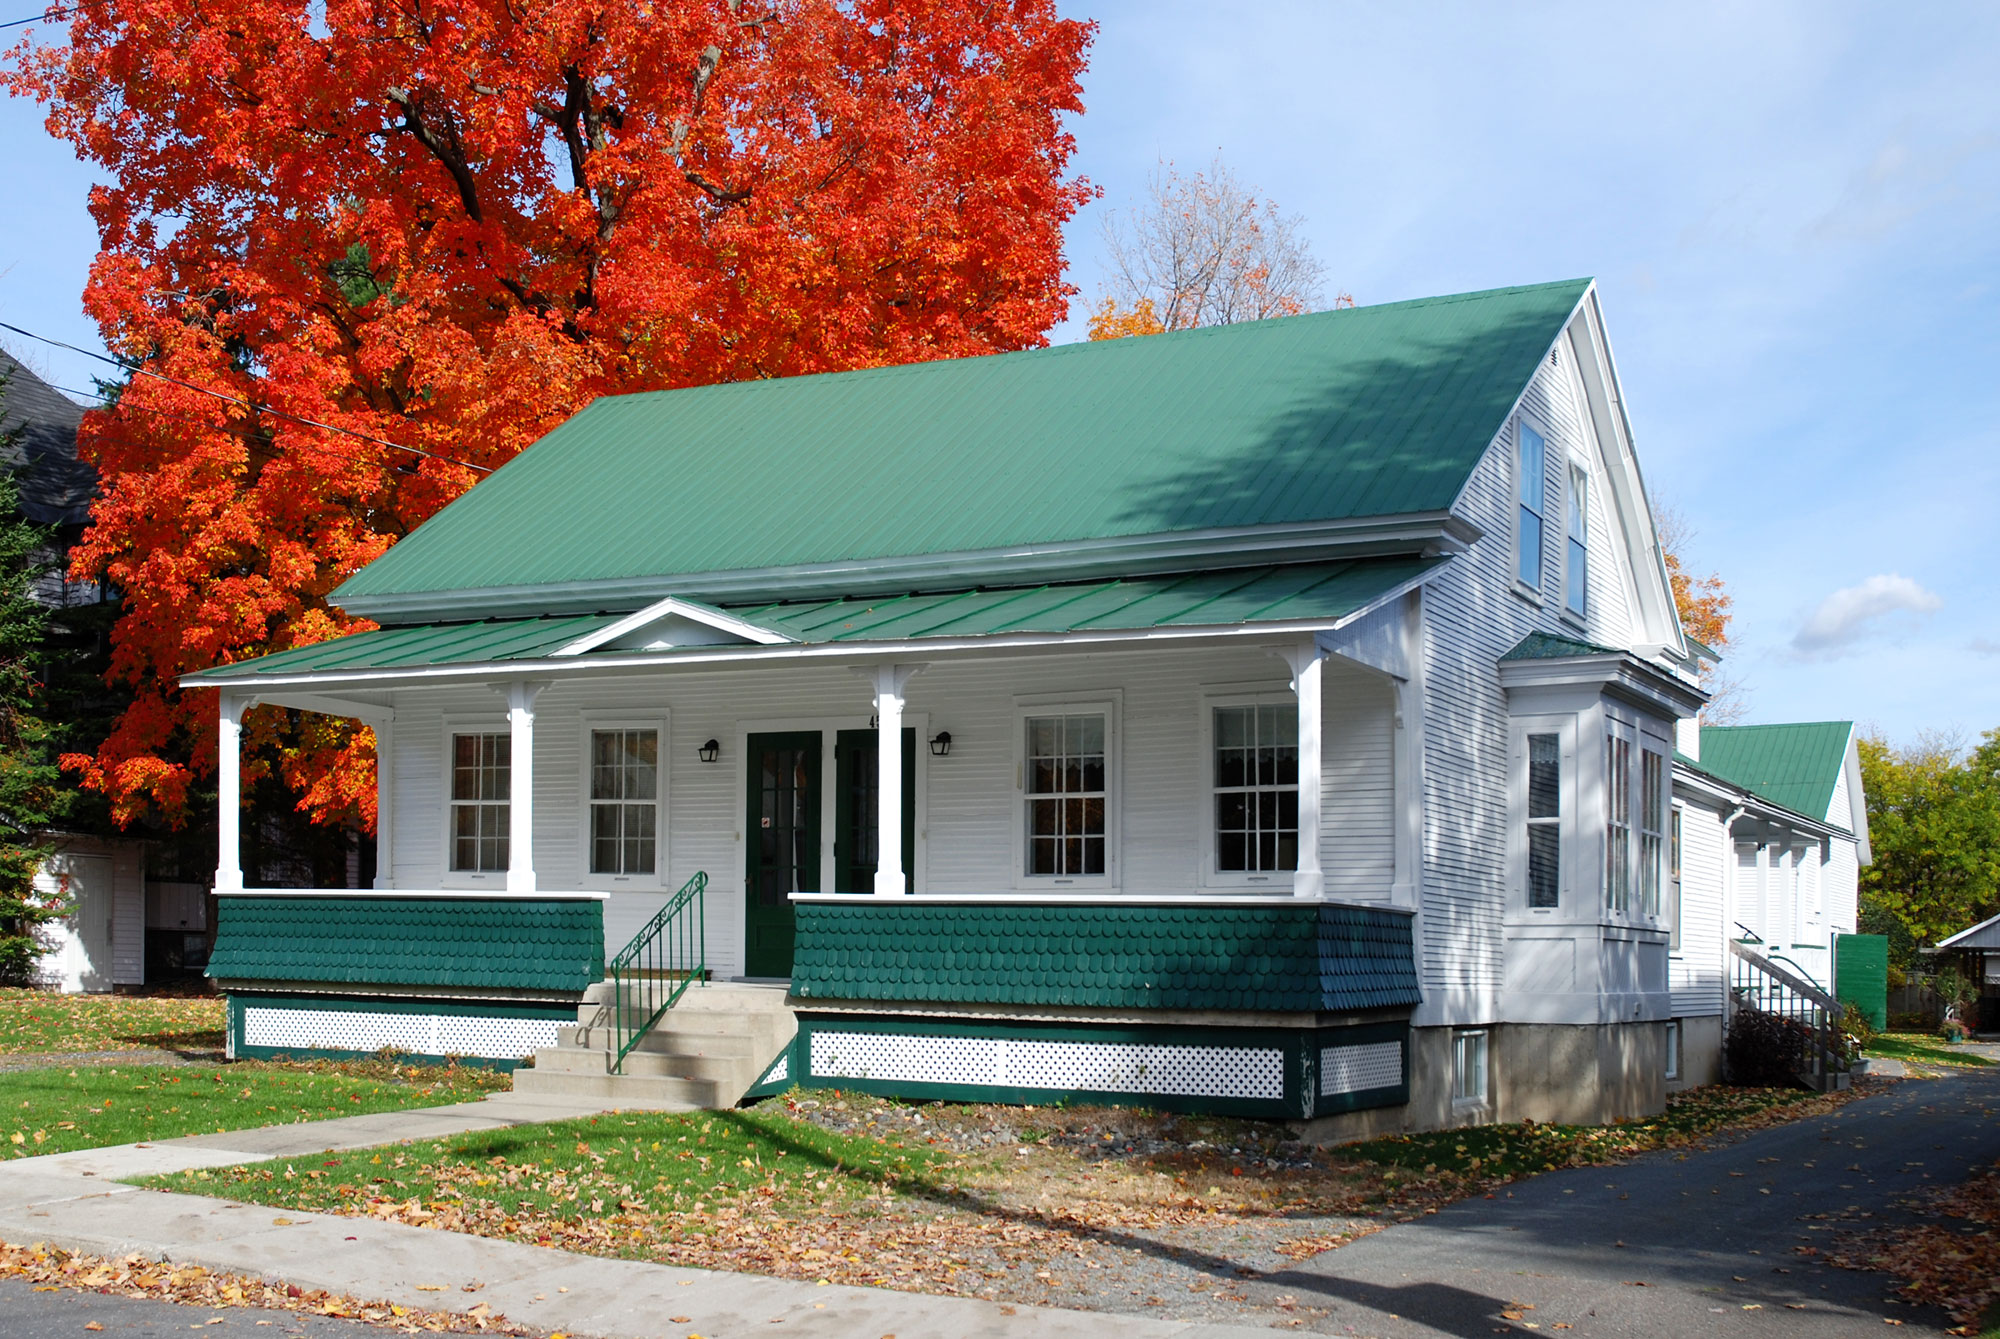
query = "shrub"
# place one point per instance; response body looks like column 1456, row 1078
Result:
column 1855, row 1029
column 1764, row 1050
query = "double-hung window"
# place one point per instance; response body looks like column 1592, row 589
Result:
column 1674, row 880
column 481, row 767
column 1576, row 570
column 1067, row 785
column 1544, row 820
column 1255, row 779
column 1652, row 824
column 1618, row 822
column 624, row 801
column 1531, row 488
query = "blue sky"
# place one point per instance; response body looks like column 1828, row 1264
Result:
column 1793, row 211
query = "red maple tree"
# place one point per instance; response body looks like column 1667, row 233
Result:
column 449, row 224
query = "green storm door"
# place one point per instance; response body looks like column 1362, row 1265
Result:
column 855, row 832
column 781, row 853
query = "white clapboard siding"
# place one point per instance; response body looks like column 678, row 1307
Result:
column 1696, row 971
column 966, row 835
column 1358, row 783
column 1473, row 616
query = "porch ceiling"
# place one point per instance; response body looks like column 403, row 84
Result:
column 1302, row 593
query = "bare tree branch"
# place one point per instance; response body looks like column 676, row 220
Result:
column 1206, row 251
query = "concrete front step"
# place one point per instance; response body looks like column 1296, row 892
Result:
column 726, row 1072
column 632, row 1091
column 721, row 1036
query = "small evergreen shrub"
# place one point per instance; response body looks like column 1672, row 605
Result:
column 1764, row 1050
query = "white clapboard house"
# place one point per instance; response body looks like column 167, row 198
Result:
column 1279, row 720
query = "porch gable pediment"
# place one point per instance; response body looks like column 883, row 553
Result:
column 673, row 622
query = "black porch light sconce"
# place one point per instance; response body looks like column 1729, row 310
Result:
column 941, row 744
column 709, row 750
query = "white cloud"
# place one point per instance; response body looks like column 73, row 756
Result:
column 1983, row 646
column 1851, row 613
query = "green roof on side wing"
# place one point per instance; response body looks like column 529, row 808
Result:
column 1794, row 765
column 1368, row 412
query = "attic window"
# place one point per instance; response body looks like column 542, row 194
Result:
column 1531, row 487
column 1576, row 571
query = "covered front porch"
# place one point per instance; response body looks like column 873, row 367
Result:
column 1247, row 792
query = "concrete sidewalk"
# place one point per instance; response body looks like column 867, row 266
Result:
column 74, row 1200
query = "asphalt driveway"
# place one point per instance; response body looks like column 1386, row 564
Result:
column 1705, row 1242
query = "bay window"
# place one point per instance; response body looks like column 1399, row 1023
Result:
column 1544, row 820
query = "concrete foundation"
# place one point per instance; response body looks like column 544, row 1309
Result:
column 1701, row 1053
column 1572, row 1075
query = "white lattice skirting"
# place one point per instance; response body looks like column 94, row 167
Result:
column 1359, row 1069
column 1063, row 1066
column 419, row 1034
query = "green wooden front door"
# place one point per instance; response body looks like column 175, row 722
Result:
column 781, row 853
column 855, row 833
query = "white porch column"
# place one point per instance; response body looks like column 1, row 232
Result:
column 521, row 786
column 1306, row 661
column 385, row 803
column 889, row 683
column 229, row 792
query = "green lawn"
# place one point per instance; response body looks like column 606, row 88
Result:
column 1922, row 1048
column 36, row 1022
column 57, row 1110
column 1508, row 1151
column 618, row 1163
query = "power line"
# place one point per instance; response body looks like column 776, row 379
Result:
column 62, row 13
column 139, row 370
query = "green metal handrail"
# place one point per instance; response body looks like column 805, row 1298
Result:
column 650, row 974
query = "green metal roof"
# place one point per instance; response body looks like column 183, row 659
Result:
column 1364, row 412
column 1547, row 646
column 440, row 644
column 1305, row 592
column 1299, row 593
column 1796, row 765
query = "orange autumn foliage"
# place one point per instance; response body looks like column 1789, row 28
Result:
column 1110, row 321
column 451, row 223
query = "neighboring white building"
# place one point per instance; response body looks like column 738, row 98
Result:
column 1772, row 831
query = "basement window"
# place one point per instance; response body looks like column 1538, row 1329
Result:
column 1468, row 1067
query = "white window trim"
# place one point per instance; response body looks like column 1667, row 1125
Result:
column 1110, row 705
column 1574, row 466
column 1532, row 593
column 1485, row 1095
column 1673, row 1048
column 1569, row 906
column 1644, row 734
column 592, row 722
column 1672, row 887
column 1233, row 696
column 481, row 723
